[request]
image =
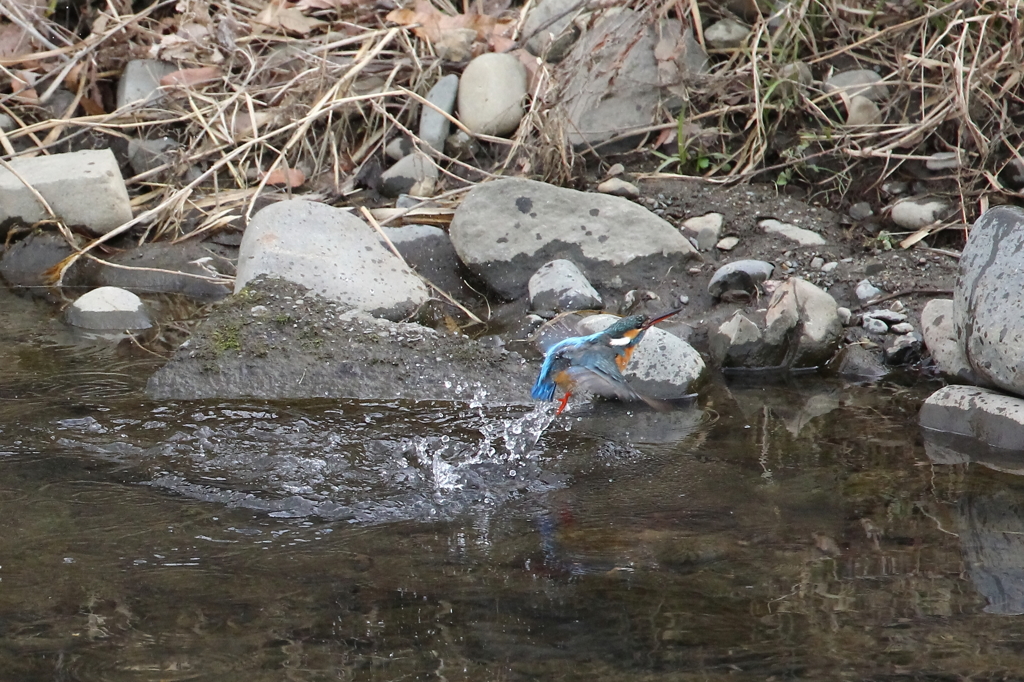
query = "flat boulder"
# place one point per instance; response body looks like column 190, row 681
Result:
column 331, row 252
column 505, row 230
column 276, row 340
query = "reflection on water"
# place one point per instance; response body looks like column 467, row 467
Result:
column 771, row 532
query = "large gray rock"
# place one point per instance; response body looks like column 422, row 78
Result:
column 331, row 252
column 278, row 341
column 506, row 229
column 618, row 75
column 84, row 188
column 663, row 365
column 988, row 299
column 805, row 320
column 560, row 286
column 429, row 251
column 549, row 30
column 979, row 413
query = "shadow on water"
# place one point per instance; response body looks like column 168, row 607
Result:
column 789, row 531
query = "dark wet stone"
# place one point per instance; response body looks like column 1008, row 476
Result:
column 24, row 263
column 187, row 268
column 860, row 364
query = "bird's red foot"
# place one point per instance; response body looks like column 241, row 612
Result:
column 562, row 403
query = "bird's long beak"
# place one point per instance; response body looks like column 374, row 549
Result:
column 655, row 320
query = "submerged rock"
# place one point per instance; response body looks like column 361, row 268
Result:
column 278, row 340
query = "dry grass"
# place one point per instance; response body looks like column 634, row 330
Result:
column 325, row 98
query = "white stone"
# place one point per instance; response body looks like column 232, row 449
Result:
column 866, row 290
column 706, row 229
column 727, row 243
column 901, row 328
column 84, row 188
column 792, row 232
column 916, row 212
column 109, row 308
column 858, row 82
column 491, row 94
column 619, row 188
column 726, row 34
column 845, row 315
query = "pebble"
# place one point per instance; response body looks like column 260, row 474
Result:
column 619, row 188
column 727, row 243
column 615, row 170
column 858, row 83
column 109, row 308
column 874, row 325
column 916, row 212
column 861, row 111
column 845, row 315
column 434, row 127
column 943, row 161
column 491, row 94
column 798, row 234
column 889, row 316
column 725, row 34
column 817, row 263
column 415, row 174
column 829, row 267
column 866, row 290
column 861, row 211
column 705, row 228
column 684, row 299
column 902, row 328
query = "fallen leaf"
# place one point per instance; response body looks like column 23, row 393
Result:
column 13, row 42
column 286, row 177
column 190, row 77
column 278, row 15
column 433, row 24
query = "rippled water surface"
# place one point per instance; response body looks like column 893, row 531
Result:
column 790, row 531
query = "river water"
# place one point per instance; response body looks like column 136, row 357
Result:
column 795, row 530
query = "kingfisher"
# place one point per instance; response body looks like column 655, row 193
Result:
column 595, row 363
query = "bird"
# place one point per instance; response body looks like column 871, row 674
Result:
column 595, row 363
